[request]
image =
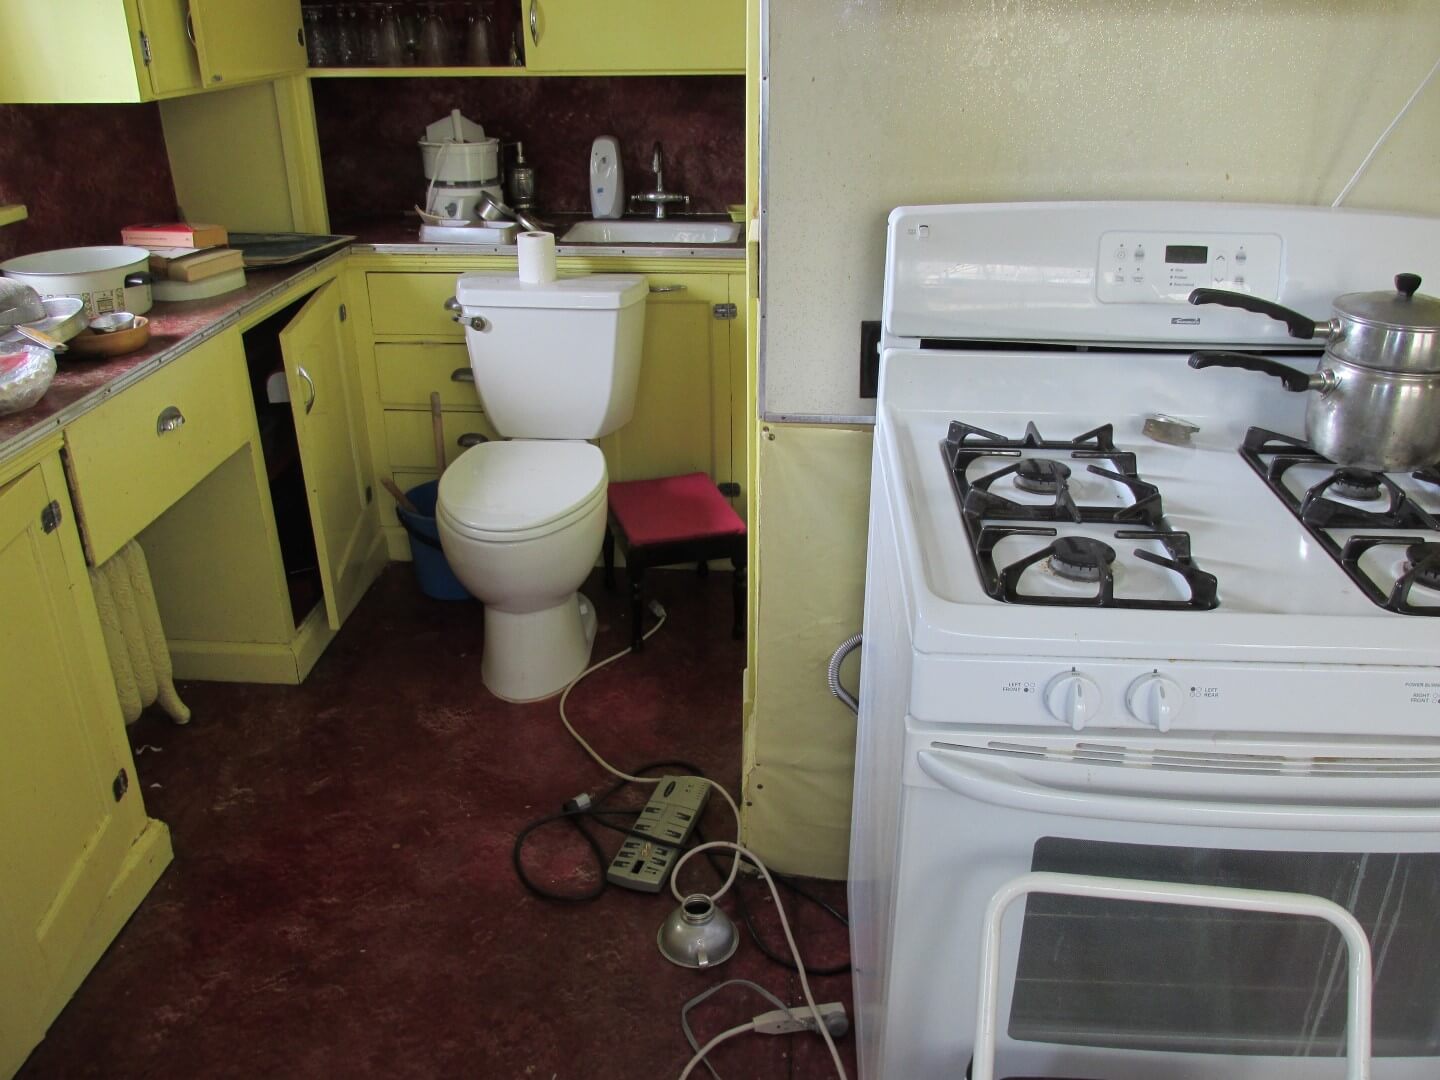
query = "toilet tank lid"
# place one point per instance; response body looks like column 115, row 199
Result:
column 521, row 485
column 588, row 291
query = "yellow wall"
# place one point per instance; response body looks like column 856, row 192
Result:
column 886, row 102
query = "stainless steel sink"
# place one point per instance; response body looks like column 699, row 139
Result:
column 652, row 232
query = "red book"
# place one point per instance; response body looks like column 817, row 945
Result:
column 174, row 234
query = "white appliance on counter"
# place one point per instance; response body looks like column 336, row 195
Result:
column 1098, row 642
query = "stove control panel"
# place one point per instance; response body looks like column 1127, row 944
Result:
column 1163, row 268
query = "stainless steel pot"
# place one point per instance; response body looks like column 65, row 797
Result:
column 1377, row 388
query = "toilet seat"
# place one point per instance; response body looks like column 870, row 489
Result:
column 521, row 489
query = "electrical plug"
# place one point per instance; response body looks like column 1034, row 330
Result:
column 800, row 1018
column 578, row 803
column 656, row 609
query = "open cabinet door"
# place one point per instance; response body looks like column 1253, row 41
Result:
column 239, row 43
column 313, row 348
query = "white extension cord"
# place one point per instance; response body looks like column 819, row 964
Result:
column 659, row 613
column 769, row 1022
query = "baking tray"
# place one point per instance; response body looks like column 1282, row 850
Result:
column 282, row 249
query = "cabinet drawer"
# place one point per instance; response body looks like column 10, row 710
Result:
column 411, row 445
column 126, row 471
column 411, row 304
column 409, row 373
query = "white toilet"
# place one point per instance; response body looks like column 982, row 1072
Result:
column 522, row 521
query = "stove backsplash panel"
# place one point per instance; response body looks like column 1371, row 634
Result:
column 369, row 129
column 83, row 172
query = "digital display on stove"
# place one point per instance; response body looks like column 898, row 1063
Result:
column 1187, row 254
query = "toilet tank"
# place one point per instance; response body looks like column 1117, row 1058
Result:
column 554, row 361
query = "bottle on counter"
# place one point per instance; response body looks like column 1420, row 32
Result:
column 521, row 182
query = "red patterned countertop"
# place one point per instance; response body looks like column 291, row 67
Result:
column 175, row 328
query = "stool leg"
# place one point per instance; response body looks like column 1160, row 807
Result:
column 636, row 574
column 608, row 548
column 739, row 560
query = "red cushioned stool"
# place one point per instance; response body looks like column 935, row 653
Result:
column 673, row 519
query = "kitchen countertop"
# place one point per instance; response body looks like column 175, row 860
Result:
column 175, row 328
column 399, row 235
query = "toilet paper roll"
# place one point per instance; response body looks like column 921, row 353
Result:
column 537, row 257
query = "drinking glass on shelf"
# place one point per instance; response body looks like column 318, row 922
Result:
column 478, row 49
column 347, row 36
column 319, row 35
column 434, row 39
column 410, row 30
column 389, row 39
column 370, row 35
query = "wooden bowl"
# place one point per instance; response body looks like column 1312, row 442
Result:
column 90, row 345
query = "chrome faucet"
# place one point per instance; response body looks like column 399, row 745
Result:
column 659, row 198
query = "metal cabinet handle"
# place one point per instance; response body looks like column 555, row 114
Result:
column 310, row 402
column 475, row 322
column 462, row 374
column 452, row 304
column 190, row 28
column 668, row 288
column 169, row 419
column 535, row 21
column 471, row 438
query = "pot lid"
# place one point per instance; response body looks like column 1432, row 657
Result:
column 522, row 484
column 1403, row 309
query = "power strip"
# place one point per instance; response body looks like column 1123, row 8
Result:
column 670, row 816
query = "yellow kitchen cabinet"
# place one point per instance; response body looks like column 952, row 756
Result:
column 317, row 369
column 77, row 852
column 633, row 36
column 141, row 50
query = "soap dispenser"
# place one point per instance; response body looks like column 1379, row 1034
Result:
column 607, row 178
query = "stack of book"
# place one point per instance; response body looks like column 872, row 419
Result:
column 188, row 262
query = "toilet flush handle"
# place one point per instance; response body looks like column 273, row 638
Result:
column 474, row 322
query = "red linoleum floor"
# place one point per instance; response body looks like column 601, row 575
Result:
column 342, row 901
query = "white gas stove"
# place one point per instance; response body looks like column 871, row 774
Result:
column 1121, row 619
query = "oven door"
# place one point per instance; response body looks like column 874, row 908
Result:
column 1110, row 990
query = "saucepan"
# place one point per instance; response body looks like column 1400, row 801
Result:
column 1377, row 388
column 111, row 278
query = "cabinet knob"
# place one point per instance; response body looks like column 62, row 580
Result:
column 169, row 419
column 452, row 304
column 462, row 374
column 471, row 438
column 667, row 288
column 535, row 21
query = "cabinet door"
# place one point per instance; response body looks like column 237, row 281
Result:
column 66, row 822
column 172, row 65
column 682, row 409
column 315, row 368
column 239, row 43
column 633, row 35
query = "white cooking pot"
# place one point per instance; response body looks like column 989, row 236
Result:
column 107, row 278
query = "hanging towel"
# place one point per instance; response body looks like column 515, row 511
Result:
column 134, row 639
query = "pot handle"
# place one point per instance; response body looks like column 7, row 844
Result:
column 1295, row 381
column 1298, row 325
column 140, row 277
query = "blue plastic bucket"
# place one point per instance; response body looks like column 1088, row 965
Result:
column 436, row 579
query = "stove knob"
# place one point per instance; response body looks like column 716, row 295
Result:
column 1155, row 700
column 1073, row 699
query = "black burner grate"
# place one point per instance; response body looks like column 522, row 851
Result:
column 980, row 507
column 1272, row 455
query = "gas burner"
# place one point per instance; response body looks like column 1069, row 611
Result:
column 1041, row 476
column 1080, row 558
column 1423, row 564
column 1360, row 485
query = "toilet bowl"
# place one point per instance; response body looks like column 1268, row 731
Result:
column 521, row 523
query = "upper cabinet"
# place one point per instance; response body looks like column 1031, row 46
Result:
column 142, row 50
column 633, row 36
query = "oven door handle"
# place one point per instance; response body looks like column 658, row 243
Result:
column 987, row 782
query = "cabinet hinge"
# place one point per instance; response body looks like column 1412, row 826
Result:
column 344, row 314
column 725, row 311
column 145, row 47
column 120, row 785
column 50, row 516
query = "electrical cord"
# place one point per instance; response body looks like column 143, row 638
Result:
column 705, row 995
column 742, row 852
column 661, row 616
